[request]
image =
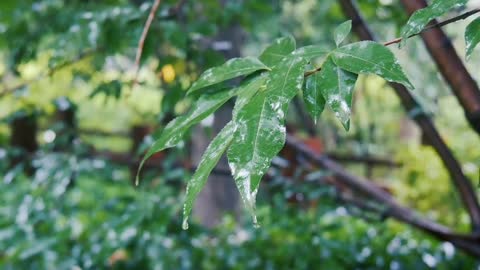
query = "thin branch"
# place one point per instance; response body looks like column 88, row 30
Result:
column 376, row 161
column 310, row 72
column 143, row 37
column 437, row 25
column 50, row 72
column 398, row 40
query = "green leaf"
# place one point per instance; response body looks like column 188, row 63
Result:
column 234, row 67
column 337, row 87
column 218, row 146
column 342, row 31
column 422, row 17
column 208, row 162
column 280, row 48
column 260, row 132
column 371, row 58
column 246, row 93
column 472, row 36
column 176, row 129
column 313, row 97
column 311, row 51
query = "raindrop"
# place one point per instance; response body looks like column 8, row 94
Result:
column 256, row 225
column 185, row 223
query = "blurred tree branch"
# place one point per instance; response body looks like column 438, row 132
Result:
column 468, row 242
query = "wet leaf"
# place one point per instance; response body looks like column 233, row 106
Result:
column 342, row 31
column 246, row 93
column 472, row 36
column 176, row 129
column 371, row 58
column 279, row 49
column 422, row 17
column 313, row 97
column 337, row 87
column 233, row 68
column 209, row 160
column 218, row 146
column 312, row 51
column 260, row 132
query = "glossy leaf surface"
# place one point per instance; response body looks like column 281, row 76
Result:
column 260, row 132
column 313, row 97
column 371, row 58
column 176, row 129
column 472, row 36
column 422, row 17
column 209, row 160
column 246, row 93
column 233, row 68
column 279, row 49
column 337, row 87
column 312, row 51
column 341, row 32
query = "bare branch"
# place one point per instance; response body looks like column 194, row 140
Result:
column 143, row 37
column 433, row 26
column 437, row 25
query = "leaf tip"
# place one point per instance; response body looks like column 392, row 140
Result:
column 467, row 56
column 256, row 225
column 185, row 223
column 137, row 180
column 410, row 85
column 346, row 125
column 342, row 31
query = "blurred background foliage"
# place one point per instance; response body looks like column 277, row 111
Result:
column 70, row 204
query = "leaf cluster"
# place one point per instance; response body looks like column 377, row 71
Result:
column 257, row 133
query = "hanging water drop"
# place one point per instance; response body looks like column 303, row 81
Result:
column 185, row 223
column 137, row 181
column 256, row 225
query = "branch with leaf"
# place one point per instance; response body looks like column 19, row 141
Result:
column 257, row 132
